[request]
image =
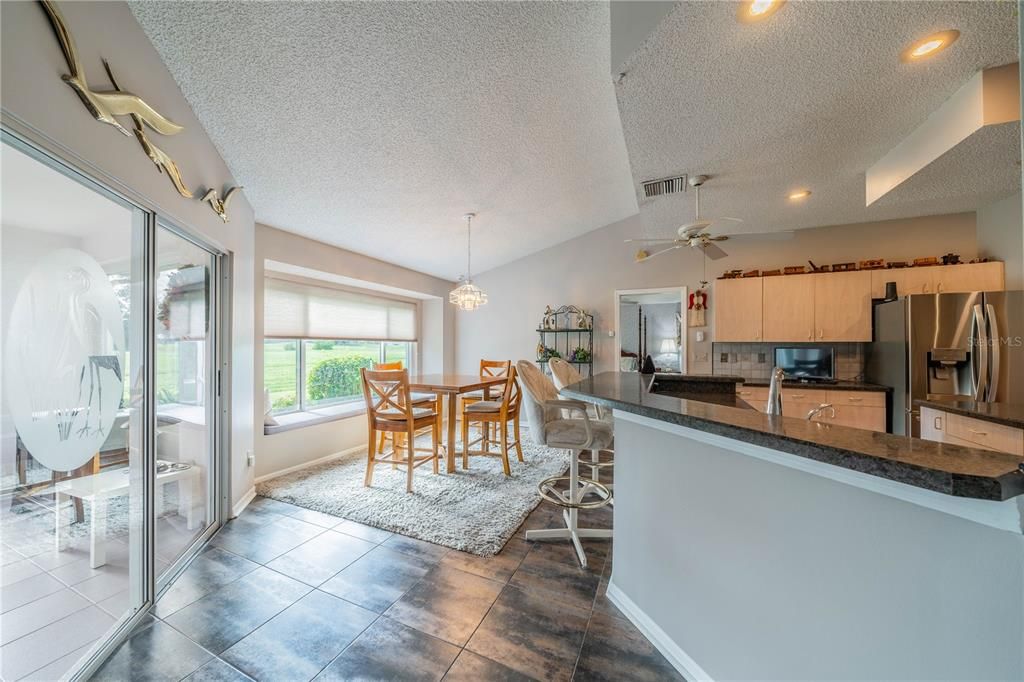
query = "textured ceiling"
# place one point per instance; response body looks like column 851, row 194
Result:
column 810, row 98
column 375, row 126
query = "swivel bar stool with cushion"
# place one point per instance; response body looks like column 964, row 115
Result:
column 564, row 374
column 576, row 432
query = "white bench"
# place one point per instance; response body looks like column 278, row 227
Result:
column 98, row 488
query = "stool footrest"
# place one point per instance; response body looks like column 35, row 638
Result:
column 549, row 492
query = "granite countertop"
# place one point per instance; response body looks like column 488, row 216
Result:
column 942, row 467
column 1009, row 414
column 834, row 386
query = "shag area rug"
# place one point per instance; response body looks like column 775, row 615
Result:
column 475, row 510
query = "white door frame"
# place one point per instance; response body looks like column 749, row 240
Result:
column 684, row 337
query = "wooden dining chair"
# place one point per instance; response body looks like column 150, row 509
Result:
column 428, row 400
column 498, row 412
column 488, row 368
column 390, row 410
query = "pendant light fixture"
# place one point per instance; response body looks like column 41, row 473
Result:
column 468, row 296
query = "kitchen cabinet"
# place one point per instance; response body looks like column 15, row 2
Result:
column 842, row 306
column 788, row 308
column 856, row 409
column 946, row 427
column 940, row 279
column 737, row 306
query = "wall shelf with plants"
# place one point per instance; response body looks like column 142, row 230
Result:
column 567, row 332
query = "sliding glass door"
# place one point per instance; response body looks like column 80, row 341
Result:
column 108, row 412
column 186, row 387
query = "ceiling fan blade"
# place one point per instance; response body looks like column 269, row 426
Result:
column 658, row 253
column 719, row 238
column 764, row 236
column 714, row 252
column 650, row 241
column 696, row 227
column 734, row 220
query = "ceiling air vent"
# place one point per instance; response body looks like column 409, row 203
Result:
column 656, row 188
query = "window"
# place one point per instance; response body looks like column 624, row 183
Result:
column 319, row 337
column 307, row 374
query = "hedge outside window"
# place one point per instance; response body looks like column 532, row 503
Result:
column 306, row 374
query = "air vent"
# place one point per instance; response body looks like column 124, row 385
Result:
column 656, row 188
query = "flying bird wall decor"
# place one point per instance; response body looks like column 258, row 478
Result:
column 106, row 106
column 220, row 206
column 164, row 163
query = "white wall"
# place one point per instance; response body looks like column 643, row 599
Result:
column 587, row 270
column 294, row 448
column 39, row 105
column 758, row 571
column 1001, row 234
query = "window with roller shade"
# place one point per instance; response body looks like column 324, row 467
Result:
column 317, row 338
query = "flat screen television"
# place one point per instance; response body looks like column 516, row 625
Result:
column 817, row 363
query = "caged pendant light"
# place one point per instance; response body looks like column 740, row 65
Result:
column 468, row 296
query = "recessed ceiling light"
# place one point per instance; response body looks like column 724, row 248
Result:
column 799, row 194
column 757, row 10
column 930, row 46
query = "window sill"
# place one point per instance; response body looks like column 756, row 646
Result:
column 323, row 415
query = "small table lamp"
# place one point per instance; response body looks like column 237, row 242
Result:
column 668, row 346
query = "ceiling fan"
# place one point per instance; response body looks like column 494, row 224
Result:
column 696, row 236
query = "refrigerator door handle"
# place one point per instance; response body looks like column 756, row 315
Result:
column 979, row 355
column 993, row 365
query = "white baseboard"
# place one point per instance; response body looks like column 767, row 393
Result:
column 244, row 502
column 311, row 463
column 686, row 666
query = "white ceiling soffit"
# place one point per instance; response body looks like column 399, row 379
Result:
column 809, row 98
column 991, row 97
column 374, row 126
column 273, row 266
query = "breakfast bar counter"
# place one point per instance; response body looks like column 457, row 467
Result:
column 750, row 546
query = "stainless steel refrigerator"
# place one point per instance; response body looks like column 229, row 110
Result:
column 947, row 347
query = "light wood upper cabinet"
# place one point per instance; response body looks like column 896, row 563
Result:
column 940, row 279
column 788, row 308
column 737, row 308
column 842, row 306
column 969, row 277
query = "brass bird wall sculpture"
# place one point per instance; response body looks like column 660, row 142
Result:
column 220, row 206
column 164, row 163
column 104, row 106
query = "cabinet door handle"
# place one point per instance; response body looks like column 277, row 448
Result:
column 978, row 433
column 820, row 333
column 938, row 287
column 796, row 395
column 938, row 423
column 855, row 400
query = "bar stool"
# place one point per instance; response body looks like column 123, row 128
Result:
column 488, row 368
column 428, row 400
column 549, row 427
column 389, row 409
column 498, row 412
column 564, row 374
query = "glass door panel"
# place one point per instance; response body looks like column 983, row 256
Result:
column 72, row 425
column 185, row 394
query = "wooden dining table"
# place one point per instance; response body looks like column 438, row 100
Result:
column 451, row 385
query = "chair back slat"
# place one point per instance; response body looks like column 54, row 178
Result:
column 386, row 390
column 495, row 368
column 511, row 395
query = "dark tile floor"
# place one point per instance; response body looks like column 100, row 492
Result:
column 285, row 593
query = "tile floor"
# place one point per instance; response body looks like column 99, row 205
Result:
column 285, row 593
column 53, row 604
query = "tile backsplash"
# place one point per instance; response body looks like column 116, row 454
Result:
column 754, row 360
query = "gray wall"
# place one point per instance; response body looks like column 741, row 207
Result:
column 37, row 103
column 587, row 270
column 759, row 571
column 1001, row 234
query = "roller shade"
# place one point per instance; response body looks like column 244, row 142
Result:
column 294, row 310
